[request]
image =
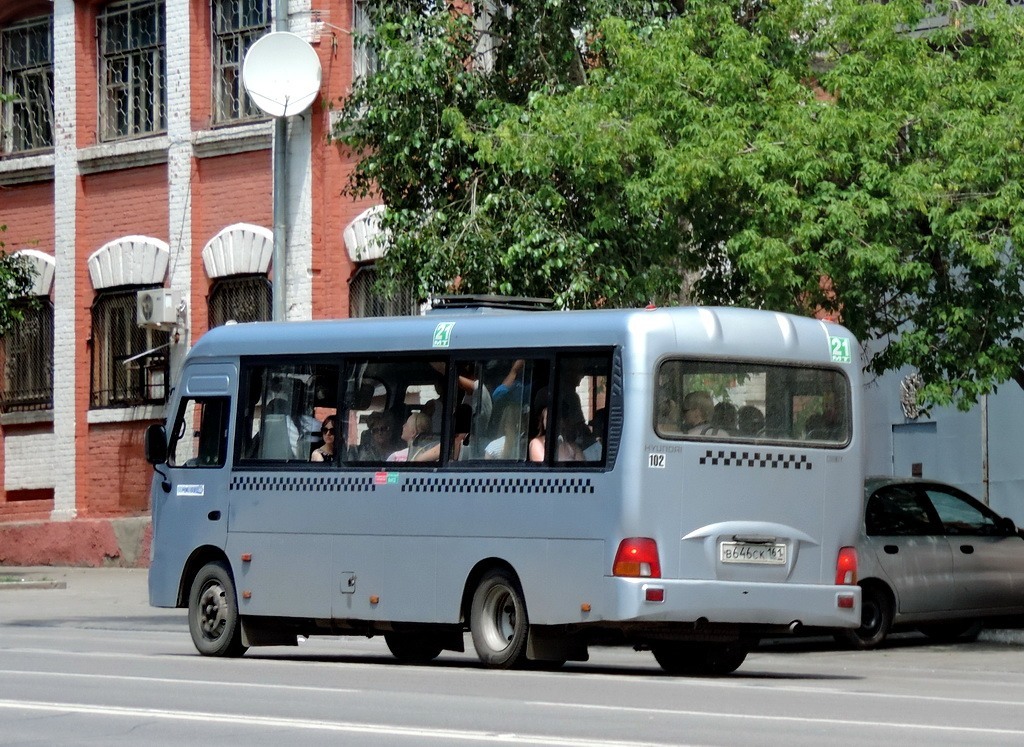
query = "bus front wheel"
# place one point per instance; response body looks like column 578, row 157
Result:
column 213, row 612
column 498, row 620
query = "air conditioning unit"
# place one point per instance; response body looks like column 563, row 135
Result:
column 157, row 308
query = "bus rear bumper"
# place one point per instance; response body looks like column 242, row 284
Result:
column 773, row 604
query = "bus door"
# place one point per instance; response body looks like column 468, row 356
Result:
column 286, row 495
column 190, row 500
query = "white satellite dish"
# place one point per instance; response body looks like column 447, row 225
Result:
column 282, row 74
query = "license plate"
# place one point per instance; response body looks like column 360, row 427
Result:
column 750, row 552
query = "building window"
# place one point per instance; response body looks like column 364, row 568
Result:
column 28, row 360
column 26, row 64
column 129, row 362
column 240, row 298
column 236, row 25
column 132, row 69
column 364, row 300
column 364, row 56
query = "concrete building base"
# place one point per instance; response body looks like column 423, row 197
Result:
column 92, row 543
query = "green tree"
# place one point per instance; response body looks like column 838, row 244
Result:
column 16, row 279
column 794, row 155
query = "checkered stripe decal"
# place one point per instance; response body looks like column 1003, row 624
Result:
column 555, row 485
column 297, row 483
column 765, row 460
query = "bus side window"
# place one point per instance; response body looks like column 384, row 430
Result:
column 582, row 382
column 284, row 410
column 200, row 433
column 379, row 398
column 500, row 425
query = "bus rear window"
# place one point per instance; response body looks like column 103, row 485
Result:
column 743, row 401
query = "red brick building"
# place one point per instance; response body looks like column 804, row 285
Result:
column 132, row 159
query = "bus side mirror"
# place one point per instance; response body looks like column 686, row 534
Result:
column 156, row 444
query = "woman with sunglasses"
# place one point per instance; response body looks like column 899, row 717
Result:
column 326, row 452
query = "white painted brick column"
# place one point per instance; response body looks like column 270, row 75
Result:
column 179, row 170
column 66, row 421
column 299, row 272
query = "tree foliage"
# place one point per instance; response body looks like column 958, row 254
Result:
column 845, row 157
column 16, row 279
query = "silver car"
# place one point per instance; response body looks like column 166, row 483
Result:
column 934, row 558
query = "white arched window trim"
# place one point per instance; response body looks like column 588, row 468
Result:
column 131, row 260
column 44, row 266
column 364, row 239
column 239, row 249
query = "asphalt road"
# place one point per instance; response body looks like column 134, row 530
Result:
column 92, row 664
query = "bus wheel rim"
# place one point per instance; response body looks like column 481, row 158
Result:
column 502, row 616
column 212, row 611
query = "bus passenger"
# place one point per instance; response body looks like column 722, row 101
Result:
column 381, row 440
column 461, row 425
column 509, row 445
column 325, row 453
column 698, row 408
column 416, row 427
column 750, row 421
column 567, row 450
column 725, row 419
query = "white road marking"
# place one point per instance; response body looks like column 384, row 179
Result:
column 788, row 719
column 464, row 735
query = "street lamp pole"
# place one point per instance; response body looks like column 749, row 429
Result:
column 280, row 188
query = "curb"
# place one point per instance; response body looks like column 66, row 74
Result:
column 5, row 585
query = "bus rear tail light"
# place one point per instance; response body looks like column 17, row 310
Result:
column 637, row 557
column 846, row 567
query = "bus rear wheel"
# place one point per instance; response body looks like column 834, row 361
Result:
column 412, row 648
column 498, row 621
column 700, row 658
column 213, row 617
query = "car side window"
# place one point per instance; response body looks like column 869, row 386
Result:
column 897, row 511
column 961, row 516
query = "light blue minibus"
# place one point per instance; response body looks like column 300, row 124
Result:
column 681, row 480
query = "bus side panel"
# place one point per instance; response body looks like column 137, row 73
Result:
column 287, row 576
column 433, row 536
column 285, row 522
column 359, row 565
column 192, row 511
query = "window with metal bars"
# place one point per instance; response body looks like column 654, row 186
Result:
column 240, row 298
column 129, row 362
column 132, row 69
column 364, row 56
column 237, row 24
column 26, row 68
column 364, row 300
column 28, row 360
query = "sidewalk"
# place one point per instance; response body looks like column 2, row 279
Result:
column 112, row 594
column 82, row 597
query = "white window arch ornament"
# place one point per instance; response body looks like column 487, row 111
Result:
column 364, row 238
column 239, row 249
column 43, row 266
column 130, row 260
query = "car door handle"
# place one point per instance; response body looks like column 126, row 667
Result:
column 967, row 549
column 891, row 549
